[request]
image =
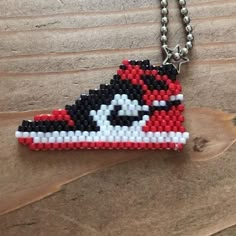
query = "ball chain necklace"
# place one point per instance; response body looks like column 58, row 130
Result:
column 177, row 54
column 140, row 108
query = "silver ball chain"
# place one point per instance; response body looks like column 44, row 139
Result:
column 182, row 52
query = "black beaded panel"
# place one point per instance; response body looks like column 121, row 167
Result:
column 80, row 110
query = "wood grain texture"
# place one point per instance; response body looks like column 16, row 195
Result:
column 53, row 50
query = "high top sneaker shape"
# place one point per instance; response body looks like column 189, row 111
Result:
column 141, row 108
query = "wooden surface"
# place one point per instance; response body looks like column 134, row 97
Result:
column 50, row 52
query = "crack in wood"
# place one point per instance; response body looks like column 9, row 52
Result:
column 22, row 224
column 44, row 25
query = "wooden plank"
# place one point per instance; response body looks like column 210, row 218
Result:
column 128, row 36
column 181, row 198
column 72, row 62
column 45, row 7
column 125, row 16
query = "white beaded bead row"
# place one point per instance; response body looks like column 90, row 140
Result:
column 105, row 136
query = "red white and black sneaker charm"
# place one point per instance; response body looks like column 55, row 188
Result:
column 141, row 108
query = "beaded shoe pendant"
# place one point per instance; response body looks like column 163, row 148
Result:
column 141, row 108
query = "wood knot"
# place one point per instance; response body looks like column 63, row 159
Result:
column 199, row 144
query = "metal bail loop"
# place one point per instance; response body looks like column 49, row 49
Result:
column 175, row 57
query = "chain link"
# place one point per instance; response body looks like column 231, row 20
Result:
column 188, row 28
